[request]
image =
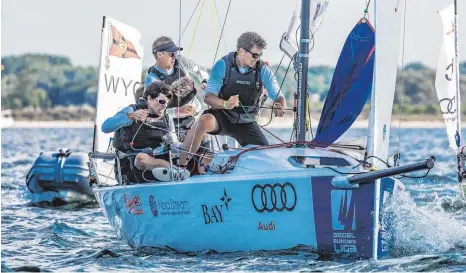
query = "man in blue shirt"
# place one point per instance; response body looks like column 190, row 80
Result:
column 233, row 91
column 145, row 125
column 167, row 68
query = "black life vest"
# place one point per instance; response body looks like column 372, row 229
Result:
column 148, row 136
column 184, row 124
column 248, row 86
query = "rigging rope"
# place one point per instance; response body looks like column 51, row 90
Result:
column 221, row 33
column 192, row 14
column 220, row 23
column 179, row 52
column 195, row 29
column 402, row 85
column 367, row 9
column 216, row 53
column 279, row 91
column 213, row 21
column 246, row 112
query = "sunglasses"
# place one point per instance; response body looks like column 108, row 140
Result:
column 162, row 102
column 254, row 55
column 171, row 54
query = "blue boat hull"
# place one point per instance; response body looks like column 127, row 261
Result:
column 270, row 210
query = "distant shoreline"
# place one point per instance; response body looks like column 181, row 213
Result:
column 277, row 123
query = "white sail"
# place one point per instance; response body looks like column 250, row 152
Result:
column 289, row 42
column 447, row 80
column 388, row 25
column 120, row 73
column 193, row 68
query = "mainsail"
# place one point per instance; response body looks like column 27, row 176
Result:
column 388, row 19
column 447, row 78
column 120, row 73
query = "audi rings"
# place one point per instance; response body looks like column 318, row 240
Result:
column 448, row 106
column 276, row 197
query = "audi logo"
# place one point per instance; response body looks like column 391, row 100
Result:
column 448, row 106
column 276, row 197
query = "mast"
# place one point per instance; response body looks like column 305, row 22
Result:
column 303, row 63
column 457, row 73
column 460, row 156
column 95, row 140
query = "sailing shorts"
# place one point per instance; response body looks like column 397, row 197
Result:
column 244, row 133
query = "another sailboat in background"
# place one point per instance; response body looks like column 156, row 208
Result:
column 447, row 84
column 7, row 118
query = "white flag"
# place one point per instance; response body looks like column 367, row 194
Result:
column 446, row 81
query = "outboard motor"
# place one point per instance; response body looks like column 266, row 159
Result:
column 60, row 178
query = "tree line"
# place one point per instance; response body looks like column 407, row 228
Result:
column 44, row 81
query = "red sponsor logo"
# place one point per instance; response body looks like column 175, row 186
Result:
column 133, row 205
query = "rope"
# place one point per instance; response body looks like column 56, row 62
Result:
column 195, row 29
column 235, row 158
column 279, row 91
column 221, row 33
column 408, row 176
column 192, row 14
column 215, row 56
column 402, row 81
column 367, row 9
column 273, row 135
column 220, row 23
column 343, row 172
column 246, row 112
column 280, row 63
column 213, row 21
column 179, row 70
column 218, row 144
column 309, row 117
column 155, row 127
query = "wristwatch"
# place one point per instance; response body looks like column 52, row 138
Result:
column 225, row 104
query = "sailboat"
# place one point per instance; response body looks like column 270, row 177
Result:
column 311, row 193
column 447, row 84
column 7, row 118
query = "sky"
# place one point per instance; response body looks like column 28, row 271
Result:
column 72, row 28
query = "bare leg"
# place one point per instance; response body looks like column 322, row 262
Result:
column 147, row 162
column 206, row 124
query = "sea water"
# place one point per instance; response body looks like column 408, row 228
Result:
column 429, row 233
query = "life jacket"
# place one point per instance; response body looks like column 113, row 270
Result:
column 248, row 86
column 178, row 73
column 182, row 125
column 147, row 136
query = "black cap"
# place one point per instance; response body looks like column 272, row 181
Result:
column 168, row 47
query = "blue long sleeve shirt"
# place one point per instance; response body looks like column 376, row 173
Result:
column 121, row 119
column 218, row 74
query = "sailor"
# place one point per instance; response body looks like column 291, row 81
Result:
column 233, row 91
column 140, row 128
column 172, row 69
column 139, row 92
